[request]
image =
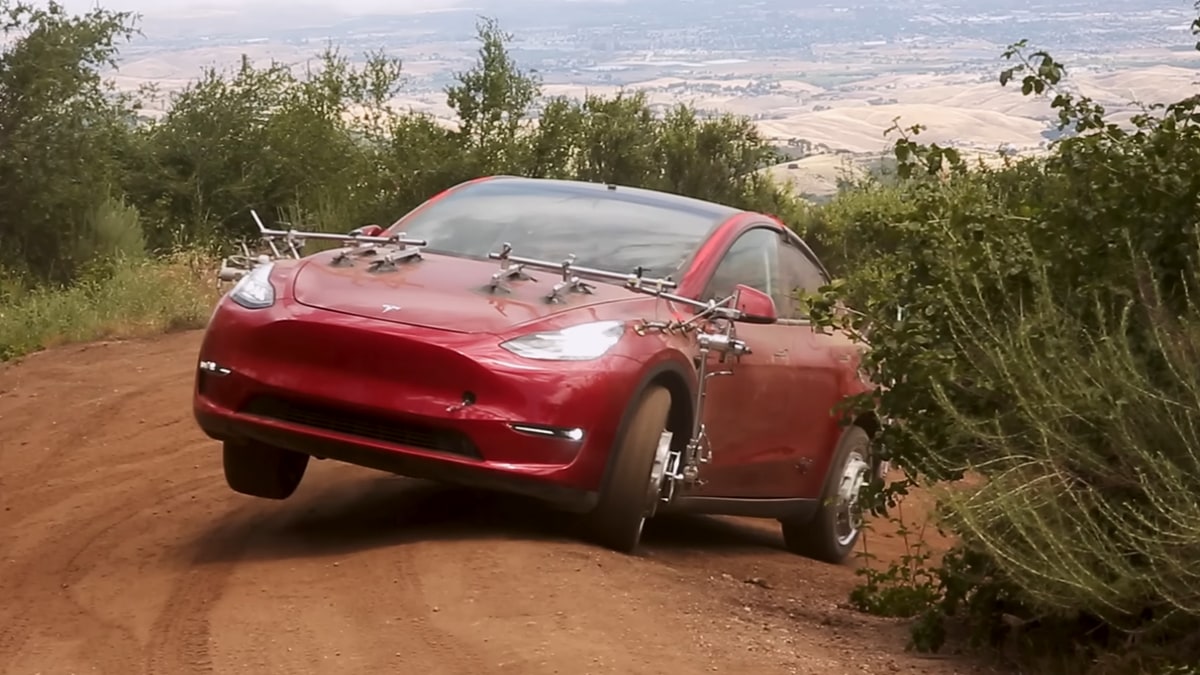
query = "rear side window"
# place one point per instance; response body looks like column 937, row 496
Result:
column 797, row 272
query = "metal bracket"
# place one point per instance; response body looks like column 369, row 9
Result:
column 386, row 264
column 685, row 471
column 345, row 257
column 568, row 269
column 671, row 476
column 234, row 267
column 726, row 344
column 572, row 285
column 515, row 272
column 508, row 271
column 389, row 260
column 565, row 266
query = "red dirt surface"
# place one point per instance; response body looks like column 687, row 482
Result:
column 122, row 551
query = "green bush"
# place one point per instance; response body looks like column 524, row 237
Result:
column 65, row 134
column 123, row 298
column 1088, row 515
column 1037, row 327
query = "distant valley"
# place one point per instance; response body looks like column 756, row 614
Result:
column 824, row 81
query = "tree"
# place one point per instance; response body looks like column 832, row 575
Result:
column 322, row 147
column 267, row 139
column 65, row 137
column 493, row 101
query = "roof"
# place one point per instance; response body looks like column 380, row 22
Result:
column 633, row 195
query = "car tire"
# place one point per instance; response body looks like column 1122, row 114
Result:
column 621, row 513
column 823, row 537
column 262, row 470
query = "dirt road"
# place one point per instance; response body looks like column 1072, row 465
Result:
column 122, row 551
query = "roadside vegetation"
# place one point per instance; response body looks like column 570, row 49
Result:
column 1044, row 370
column 1049, row 353
column 102, row 200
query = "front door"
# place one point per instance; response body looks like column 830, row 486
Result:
column 748, row 411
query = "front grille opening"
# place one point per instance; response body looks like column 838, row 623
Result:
column 364, row 425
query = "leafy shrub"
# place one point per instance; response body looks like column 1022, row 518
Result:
column 123, row 298
column 1036, row 324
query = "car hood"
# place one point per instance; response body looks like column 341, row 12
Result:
column 438, row 291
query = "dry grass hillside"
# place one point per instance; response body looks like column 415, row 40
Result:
column 840, row 103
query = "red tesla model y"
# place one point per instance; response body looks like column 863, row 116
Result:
column 614, row 351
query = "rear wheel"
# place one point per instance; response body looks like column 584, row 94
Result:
column 831, row 534
column 262, row 470
column 636, row 474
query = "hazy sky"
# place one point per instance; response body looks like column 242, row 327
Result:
column 169, row 7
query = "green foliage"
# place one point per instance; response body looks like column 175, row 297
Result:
column 111, row 230
column 120, row 298
column 906, row 586
column 492, row 102
column 63, row 132
column 1036, row 327
column 267, row 139
column 93, row 188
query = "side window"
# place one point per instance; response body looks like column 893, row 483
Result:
column 796, row 272
column 750, row 261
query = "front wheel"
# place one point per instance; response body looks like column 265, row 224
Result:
column 636, row 474
column 262, row 470
column 830, row 535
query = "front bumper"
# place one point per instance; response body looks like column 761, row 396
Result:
column 392, row 397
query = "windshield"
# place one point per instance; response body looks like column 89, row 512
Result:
column 617, row 230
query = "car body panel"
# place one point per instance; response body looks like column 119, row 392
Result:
column 747, row 416
column 439, row 291
column 789, row 456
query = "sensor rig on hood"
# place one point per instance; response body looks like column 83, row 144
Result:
column 399, row 248
column 570, row 283
column 573, row 276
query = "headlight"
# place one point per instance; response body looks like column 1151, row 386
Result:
column 577, row 343
column 254, row 291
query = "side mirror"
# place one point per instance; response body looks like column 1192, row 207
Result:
column 366, row 231
column 755, row 306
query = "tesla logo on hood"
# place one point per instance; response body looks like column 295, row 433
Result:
column 390, row 308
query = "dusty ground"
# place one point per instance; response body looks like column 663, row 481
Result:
column 122, row 551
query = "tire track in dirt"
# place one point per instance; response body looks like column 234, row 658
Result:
column 86, row 419
column 79, row 488
column 67, row 558
column 179, row 639
column 443, row 651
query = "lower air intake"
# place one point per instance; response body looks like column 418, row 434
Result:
column 364, row 425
